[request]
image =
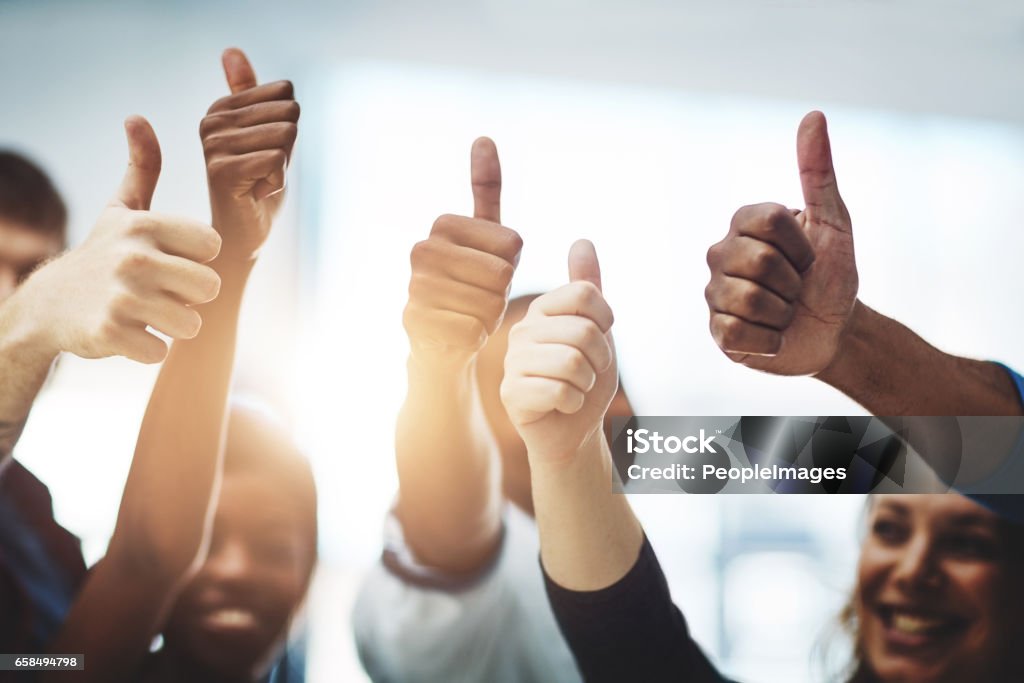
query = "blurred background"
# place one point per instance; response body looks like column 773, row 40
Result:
column 641, row 125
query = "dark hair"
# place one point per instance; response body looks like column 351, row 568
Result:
column 28, row 197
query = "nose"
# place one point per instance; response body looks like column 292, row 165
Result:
column 8, row 281
column 229, row 560
column 917, row 567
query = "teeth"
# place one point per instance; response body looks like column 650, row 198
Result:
column 915, row 625
column 233, row 618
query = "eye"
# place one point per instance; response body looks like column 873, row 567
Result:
column 888, row 531
column 276, row 551
column 970, row 546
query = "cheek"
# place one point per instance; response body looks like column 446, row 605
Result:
column 872, row 568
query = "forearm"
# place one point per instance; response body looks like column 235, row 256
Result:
column 25, row 361
column 589, row 536
column 168, row 498
column 890, row 370
column 448, row 470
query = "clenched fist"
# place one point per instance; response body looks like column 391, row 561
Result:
column 560, row 370
column 784, row 282
column 247, row 139
column 462, row 272
column 136, row 268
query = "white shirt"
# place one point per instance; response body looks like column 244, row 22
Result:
column 497, row 627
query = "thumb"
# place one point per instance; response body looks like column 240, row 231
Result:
column 238, row 70
column 583, row 263
column 139, row 183
column 817, row 177
column 485, row 172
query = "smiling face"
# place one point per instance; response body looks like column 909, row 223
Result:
column 937, row 596
column 232, row 619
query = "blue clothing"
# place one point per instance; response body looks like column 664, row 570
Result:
column 1004, row 488
column 41, row 564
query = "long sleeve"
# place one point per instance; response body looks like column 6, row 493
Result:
column 631, row 630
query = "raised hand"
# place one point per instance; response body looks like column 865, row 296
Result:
column 560, row 370
column 247, row 139
column 784, row 282
column 136, row 269
column 462, row 272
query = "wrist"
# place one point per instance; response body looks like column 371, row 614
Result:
column 593, row 450
column 853, row 350
column 25, row 327
column 438, row 364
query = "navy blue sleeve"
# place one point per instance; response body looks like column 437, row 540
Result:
column 631, row 630
column 1003, row 492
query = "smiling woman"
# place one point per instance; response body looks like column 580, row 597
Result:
column 938, row 594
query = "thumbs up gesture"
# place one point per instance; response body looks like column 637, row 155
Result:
column 461, row 273
column 784, row 282
column 247, row 139
column 560, row 370
column 136, row 269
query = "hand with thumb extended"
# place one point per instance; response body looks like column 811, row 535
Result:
column 784, row 282
column 137, row 269
column 461, row 274
column 248, row 138
column 560, row 369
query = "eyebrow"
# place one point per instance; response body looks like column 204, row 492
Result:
column 894, row 507
column 972, row 519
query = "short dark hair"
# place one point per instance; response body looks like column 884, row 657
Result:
column 28, row 196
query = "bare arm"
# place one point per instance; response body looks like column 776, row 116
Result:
column 889, row 370
column 97, row 299
column 448, row 469
column 166, row 510
column 783, row 299
column 560, row 378
column 167, row 503
column 24, row 364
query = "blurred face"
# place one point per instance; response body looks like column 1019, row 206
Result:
column 233, row 617
column 21, row 251
column 936, row 592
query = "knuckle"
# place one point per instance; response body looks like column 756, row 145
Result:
column 741, row 217
column 503, row 273
column 513, row 241
column 494, row 306
column 193, row 322
column 285, row 90
column 292, row 110
column 731, row 331
column 107, row 331
column 208, row 124
column 210, row 284
column 218, row 104
column 219, row 167
column 278, row 157
column 574, row 361
column 765, row 261
column 714, row 255
column 214, row 142
column 120, row 305
column 443, row 224
column 134, row 263
column 139, row 224
column 773, row 214
column 420, row 254
column 212, row 244
column 750, row 299
column 709, row 293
